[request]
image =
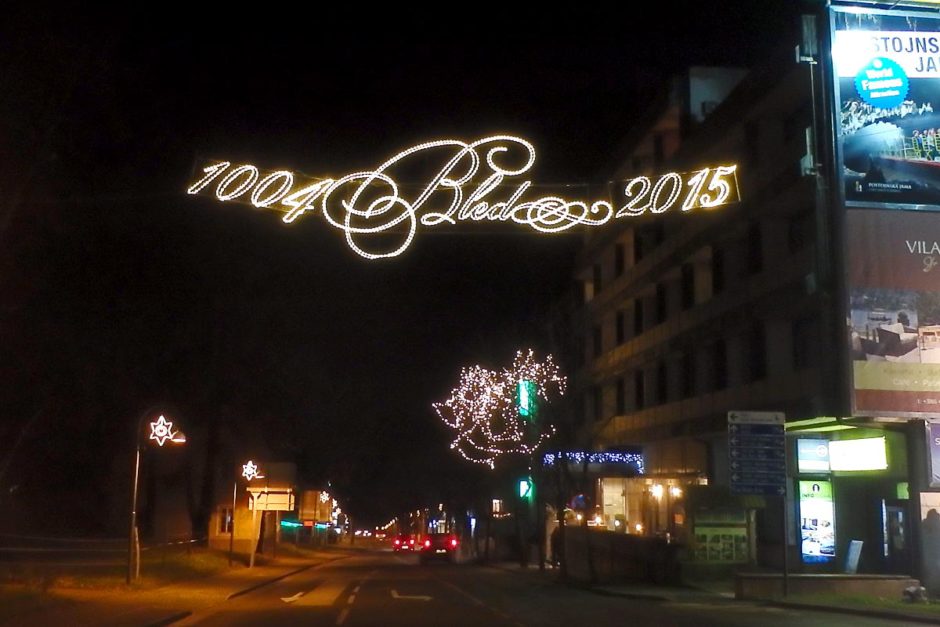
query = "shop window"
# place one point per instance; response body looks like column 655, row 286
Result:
column 225, row 520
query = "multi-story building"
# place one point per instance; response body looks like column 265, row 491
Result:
column 691, row 315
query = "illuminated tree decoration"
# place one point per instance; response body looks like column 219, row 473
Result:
column 251, row 471
column 162, row 430
column 484, row 408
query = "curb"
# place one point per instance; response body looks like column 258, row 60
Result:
column 266, row 582
column 875, row 613
column 169, row 620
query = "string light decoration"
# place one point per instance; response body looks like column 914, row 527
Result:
column 371, row 203
column 603, row 457
column 482, row 409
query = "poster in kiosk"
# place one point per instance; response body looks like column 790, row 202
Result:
column 817, row 522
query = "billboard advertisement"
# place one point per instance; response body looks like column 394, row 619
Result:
column 817, row 522
column 886, row 68
column 894, row 311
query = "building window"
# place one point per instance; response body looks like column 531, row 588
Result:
column 225, row 520
column 637, row 317
column 662, row 384
column 687, row 373
column 755, row 250
column 597, row 279
column 598, row 402
column 756, row 347
column 688, row 286
column 598, row 340
column 718, row 270
column 661, row 303
column 639, row 390
column 720, row 365
column 621, row 397
column 805, row 342
column 646, row 238
column 619, row 260
column 497, row 506
column 621, row 327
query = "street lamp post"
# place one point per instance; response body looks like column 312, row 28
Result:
column 250, row 471
column 161, row 431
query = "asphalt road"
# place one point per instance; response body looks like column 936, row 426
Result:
column 390, row 590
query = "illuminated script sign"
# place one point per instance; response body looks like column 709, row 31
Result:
column 474, row 182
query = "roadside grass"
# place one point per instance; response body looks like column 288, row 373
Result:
column 158, row 567
column 868, row 602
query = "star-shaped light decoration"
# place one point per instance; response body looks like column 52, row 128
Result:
column 162, row 430
column 250, row 471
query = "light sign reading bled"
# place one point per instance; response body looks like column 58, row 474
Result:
column 481, row 181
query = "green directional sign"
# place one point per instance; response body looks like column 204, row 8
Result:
column 527, row 399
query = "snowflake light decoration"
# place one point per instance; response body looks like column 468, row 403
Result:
column 162, row 430
column 250, row 471
column 483, row 412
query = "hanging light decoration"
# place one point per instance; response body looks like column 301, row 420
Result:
column 483, row 409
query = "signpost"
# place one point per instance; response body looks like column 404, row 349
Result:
column 758, row 460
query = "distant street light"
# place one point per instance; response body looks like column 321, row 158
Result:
column 161, row 431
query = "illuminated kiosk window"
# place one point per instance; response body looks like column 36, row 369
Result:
column 817, row 522
column 812, row 455
column 864, row 454
column 497, row 506
column 475, row 181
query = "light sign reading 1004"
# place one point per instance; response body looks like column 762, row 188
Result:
column 371, row 203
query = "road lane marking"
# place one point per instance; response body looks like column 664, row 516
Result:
column 325, row 594
column 342, row 616
column 352, row 597
column 293, row 598
column 410, row 597
column 477, row 601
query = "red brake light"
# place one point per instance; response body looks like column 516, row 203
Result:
column 397, row 541
column 411, row 541
column 427, row 544
column 453, row 542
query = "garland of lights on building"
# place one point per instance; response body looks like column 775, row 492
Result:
column 483, row 409
column 604, row 457
column 380, row 220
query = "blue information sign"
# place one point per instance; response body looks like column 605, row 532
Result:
column 757, row 453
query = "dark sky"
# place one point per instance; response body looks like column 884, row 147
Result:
column 117, row 289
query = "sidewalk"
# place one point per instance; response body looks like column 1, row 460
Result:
column 167, row 604
column 722, row 591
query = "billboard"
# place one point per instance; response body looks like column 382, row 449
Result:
column 894, row 311
column 886, row 67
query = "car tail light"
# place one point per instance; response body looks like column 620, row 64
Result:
column 427, row 544
column 411, row 541
column 397, row 542
column 453, row 542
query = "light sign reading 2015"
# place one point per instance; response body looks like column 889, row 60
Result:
column 379, row 220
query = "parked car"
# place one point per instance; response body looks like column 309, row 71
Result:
column 403, row 542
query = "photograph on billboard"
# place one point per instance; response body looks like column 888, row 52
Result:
column 886, row 67
column 894, row 318
column 817, row 522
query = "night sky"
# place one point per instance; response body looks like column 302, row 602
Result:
column 118, row 290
